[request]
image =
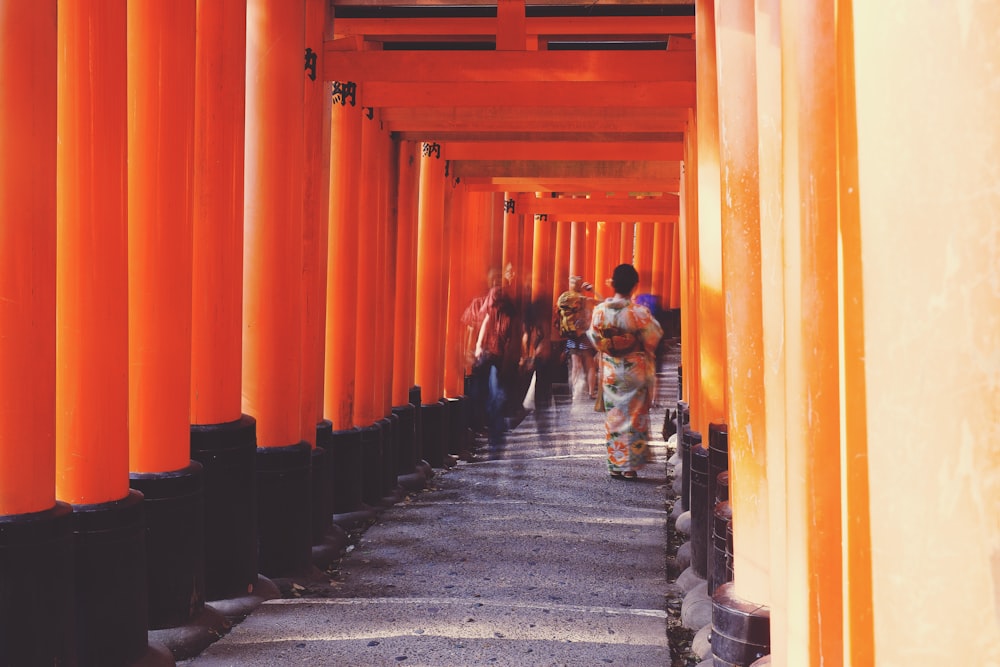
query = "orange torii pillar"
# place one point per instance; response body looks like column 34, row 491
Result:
column 558, row 372
column 744, row 434
column 272, row 283
column 406, row 396
column 812, row 383
column 543, row 282
column 614, row 256
column 92, row 336
column 626, row 243
column 687, row 235
column 589, row 266
column 513, row 272
column 342, row 303
column 924, row 250
column 769, row 165
column 430, row 303
column 672, row 278
column 602, row 276
column 643, row 258
column 37, row 580
column 367, row 401
column 328, row 539
column 659, row 260
column 578, row 253
column 457, row 236
column 392, row 491
column 161, row 83
column 223, row 439
column 711, row 326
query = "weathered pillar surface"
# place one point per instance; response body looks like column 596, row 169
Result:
column 406, row 264
column 430, row 299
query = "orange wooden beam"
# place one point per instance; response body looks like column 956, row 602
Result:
column 546, row 94
column 528, row 204
column 565, row 150
column 559, row 169
column 570, row 185
column 613, row 217
column 428, row 67
column 635, row 27
column 506, row 118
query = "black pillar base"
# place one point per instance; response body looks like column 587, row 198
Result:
column 371, row 465
column 701, row 516
column 320, row 514
column 111, row 590
column 741, row 630
column 406, row 455
column 237, row 608
column 433, row 425
column 284, row 524
column 188, row 640
column 718, row 573
column 175, row 543
column 392, row 492
column 36, row 588
column 458, row 427
column 348, row 509
column 228, row 455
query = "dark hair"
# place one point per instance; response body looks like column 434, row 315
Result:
column 624, row 279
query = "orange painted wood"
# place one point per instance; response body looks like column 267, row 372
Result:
column 590, row 249
column 667, row 205
column 626, row 243
column 602, row 252
column 644, row 257
column 217, row 273
column 406, row 266
column 387, row 284
column 577, row 251
column 569, row 186
column 511, row 66
column 457, row 237
column 28, row 257
column 316, row 104
column 521, row 118
column 342, row 299
column 711, row 309
column 573, row 26
column 430, row 278
column 548, row 94
column 511, row 25
column 543, row 277
column 859, row 603
column 161, row 84
column 565, row 150
column 561, row 169
column 815, row 606
column 272, row 339
column 561, row 270
column 91, row 341
column 366, row 370
column 670, row 251
column 688, row 238
column 674, row 281
column 741, row 279
column 659, row 259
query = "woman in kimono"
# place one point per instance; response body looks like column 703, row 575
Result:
column 626, row 335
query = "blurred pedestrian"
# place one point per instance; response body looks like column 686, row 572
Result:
column 492, row 344
column 626, row 336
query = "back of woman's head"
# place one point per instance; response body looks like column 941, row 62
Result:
column 624, row 279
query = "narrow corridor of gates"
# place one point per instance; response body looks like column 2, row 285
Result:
column 530, row 554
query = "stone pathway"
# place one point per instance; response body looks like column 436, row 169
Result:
column 530, row 555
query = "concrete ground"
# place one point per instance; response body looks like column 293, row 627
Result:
column 529, row 555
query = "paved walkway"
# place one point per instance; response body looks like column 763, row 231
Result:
column 531, row 555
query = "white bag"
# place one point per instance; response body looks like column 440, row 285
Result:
column 529, row 396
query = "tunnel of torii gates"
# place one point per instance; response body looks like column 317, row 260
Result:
column 220, row 306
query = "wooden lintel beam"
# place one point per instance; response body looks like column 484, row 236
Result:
column 565, row 150
column 583, row 186
column 542, row 94
column 493, row 136
column 529, row 204
column 555, row 169
column 636, row 27
column 613, row 217
column 531, row 119
column 425, row 67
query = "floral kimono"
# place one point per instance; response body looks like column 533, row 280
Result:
column 626, row 335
